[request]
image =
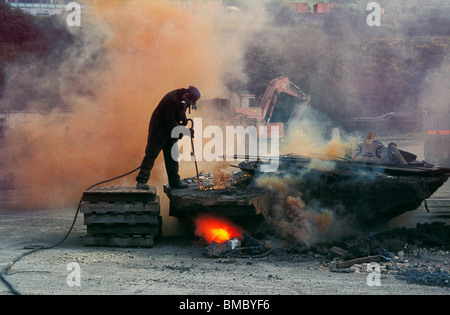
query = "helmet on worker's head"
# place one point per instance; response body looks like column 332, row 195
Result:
column 194, row 96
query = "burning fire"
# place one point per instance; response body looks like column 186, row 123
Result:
column 216, row 229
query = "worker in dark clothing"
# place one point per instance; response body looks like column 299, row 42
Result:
column 170, row 113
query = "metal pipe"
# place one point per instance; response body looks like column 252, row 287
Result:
column 193, row 153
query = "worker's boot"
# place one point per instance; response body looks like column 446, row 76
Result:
column 178, row 185
column 142, row 186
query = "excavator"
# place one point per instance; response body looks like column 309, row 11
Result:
column 282, row 104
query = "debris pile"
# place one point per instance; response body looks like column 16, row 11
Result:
column 438, row 277
column 249, row 247
column 418, row 255
column 220, row 179
column 216, row 249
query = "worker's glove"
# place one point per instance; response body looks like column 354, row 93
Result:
column 192, row 132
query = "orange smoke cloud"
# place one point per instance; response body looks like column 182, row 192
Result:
column 151, row 48
column 291, row 219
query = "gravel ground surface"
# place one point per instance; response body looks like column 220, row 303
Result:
column 175, row 265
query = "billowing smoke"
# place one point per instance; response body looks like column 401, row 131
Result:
column 127, row 55
column 349, row 68
column 291, row 220
column 435, row 93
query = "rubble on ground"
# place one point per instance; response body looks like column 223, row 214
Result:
column 417, row 255
column 438, row 277
column 235, row 248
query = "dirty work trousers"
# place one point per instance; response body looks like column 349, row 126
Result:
column 154, row 147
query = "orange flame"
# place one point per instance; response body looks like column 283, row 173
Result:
column 215, row 229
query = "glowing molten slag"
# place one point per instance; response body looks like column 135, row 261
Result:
column 214, row 229
column 219, row 235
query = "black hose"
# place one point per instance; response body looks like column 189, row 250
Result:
column 6, row 269
column 426, row 206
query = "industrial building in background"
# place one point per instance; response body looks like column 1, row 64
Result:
column 436, row 127
column 42, row 7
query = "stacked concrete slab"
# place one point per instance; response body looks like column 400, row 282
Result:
column 121, row 217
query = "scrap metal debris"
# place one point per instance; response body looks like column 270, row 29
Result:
column 248, row 248
column 220, row 249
